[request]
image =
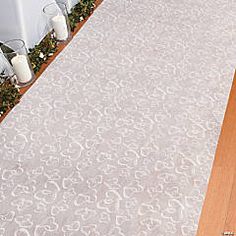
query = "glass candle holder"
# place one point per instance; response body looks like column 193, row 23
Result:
column 68, row 5
column 6, row 70
column 57, row 19
column 16, row 54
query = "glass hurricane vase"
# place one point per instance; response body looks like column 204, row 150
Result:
column 16, row 62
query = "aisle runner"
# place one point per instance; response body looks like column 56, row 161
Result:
column 118, row 136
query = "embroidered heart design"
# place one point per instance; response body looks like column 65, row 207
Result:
column 20, row 190
column 107, row 169
column 128, row 192
column 67, row 163
column 50, row 224
column 174, row 211
column 146, row 151
column 113, row 183
column 40, row 207
column 38, row 171
column 121, row 219
column 7, row 174
column 70, row 193
column 116, row 231
column 53, row 175
column 61, row 206
column 24, row 221
column 85, row 213
column 111, row 202
column 90, row 230
column 67, row 183
column 131, row 203
column 81, row 199
column 140, row 174
column 104, row 217
column 103, row 157
column 155, row 190
column 8, row 217
column 26, row 156
column 76, row 177
column 93, row 182
column 22, row 204
column 74, row 151
column 50, row 160
column 18, row 143
column 145, row 208
column 151, row 223
column 46, row 196
column 55, row 210
column 22, row 232
column 47, row 149
column 18, row 171
column 75, row 226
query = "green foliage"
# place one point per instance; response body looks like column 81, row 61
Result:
column 9, row 96
column 80, row 12
column 41, row 52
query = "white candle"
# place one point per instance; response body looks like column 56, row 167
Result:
column 21, row 68
column 60, row 27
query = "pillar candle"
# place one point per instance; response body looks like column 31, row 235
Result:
column 21, row 68
column 60, row 27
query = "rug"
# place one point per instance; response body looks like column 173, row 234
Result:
column 118, row 135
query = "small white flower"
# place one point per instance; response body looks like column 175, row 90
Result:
column 50, row 54
column 53, row 35
column 41, row 55
column 81, row 18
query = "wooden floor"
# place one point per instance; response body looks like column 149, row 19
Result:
column 219, row 209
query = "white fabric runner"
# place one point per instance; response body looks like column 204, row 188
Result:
column 118, row 136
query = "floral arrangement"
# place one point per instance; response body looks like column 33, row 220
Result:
column 80, row 12
column 9, row 95
column 41, row 52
